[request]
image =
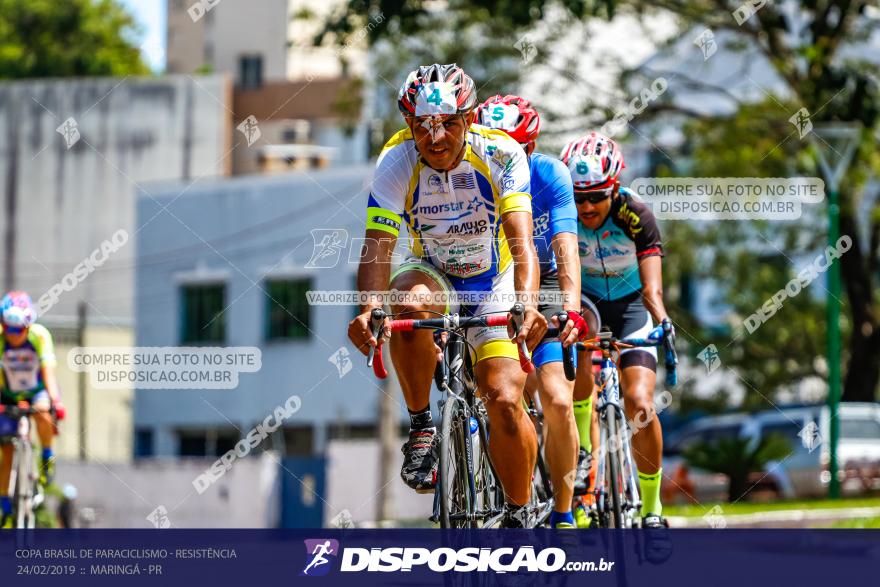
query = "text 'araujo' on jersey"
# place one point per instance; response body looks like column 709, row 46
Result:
column 553, row 209
column 453, row 217
column 610, row 254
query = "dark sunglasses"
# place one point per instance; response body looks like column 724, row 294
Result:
column 592, row 197
column 13, row 329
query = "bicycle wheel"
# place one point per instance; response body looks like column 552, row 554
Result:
column 489, row 497
column 453, row 481
column 614, row 469
column 24, row 515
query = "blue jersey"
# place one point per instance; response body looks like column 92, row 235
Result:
column 553, row 209
column 610, row 254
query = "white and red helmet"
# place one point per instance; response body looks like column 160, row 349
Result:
column 594, row 161
column 437, row 90
column 513, row 115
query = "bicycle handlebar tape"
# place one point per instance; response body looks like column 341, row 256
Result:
column 379, row 365
column 525, row 362
column 496, row 320
column 671, row 362
column 567, row 353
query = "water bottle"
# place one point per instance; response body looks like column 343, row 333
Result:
column 475, row 440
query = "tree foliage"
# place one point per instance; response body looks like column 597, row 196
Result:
column 47, row 38
column 806, row 46
column 737, row 458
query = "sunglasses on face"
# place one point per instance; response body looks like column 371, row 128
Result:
column 13, row 330
column 592, row 197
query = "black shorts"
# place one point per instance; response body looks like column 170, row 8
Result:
column 625, row 317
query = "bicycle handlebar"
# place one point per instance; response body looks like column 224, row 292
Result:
column 605, row 341
column 377, row 322
column 17, row 410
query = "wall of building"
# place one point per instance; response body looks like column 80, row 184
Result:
column 60, row 203
column 227, row 31
column 254, row 228
column 185, row 52
column 124, row 495
column 108, row 415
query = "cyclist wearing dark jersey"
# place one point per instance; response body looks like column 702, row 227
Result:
column 555, row 235
column 621, row 259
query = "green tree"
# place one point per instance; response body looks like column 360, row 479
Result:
column 47, row 38
column 737, row 458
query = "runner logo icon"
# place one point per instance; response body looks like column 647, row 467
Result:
column 318, row 551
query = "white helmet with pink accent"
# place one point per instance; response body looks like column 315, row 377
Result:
column 594, row 161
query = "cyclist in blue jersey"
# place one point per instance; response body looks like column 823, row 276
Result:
column 621, row 259
column 555, row 235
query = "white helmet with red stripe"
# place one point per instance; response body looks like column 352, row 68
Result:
column 594, row 161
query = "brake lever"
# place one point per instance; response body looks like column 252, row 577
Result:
column 377, row 323
column 567, row 353
column 517, row 313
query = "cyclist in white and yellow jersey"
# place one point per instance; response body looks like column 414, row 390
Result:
column 462, row 190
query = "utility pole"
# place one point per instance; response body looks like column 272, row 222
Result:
column 388, row 439
column 81, row 378
column 841, row 139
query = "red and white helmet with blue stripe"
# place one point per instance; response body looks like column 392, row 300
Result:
column 594, row 161
column 17, row 310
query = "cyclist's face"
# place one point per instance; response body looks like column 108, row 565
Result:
column 593, row 215
column 15, row 338
column 439, row 139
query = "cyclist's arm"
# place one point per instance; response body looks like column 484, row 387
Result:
column 51, row 382
column 563, row 227
column 45, row 347
column 526, row 275
column 651, row 272
column 374, row 271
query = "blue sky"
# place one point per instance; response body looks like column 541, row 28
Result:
column 151, row 16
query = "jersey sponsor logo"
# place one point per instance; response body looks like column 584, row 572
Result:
column 429, row 212
column 436, row 184
column 632, row 220
column 542, row 224
column 475, row 204
column 462, row 268
column 386, row 222
column 469, row 227
column 606, row 252
column 464, row 181
column 22, row 368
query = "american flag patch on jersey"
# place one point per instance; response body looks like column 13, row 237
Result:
column 463, row 181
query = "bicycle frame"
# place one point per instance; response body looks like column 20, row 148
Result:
column 616, row 467
column 449, row 377
column 450, row 380
column 614, row 436
column 25, row 491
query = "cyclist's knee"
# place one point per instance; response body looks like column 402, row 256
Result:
column 42, row 409
column 641, row 403
column 557, row 401
column 503, row 410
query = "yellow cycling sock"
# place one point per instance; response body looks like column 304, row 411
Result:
column 583, row 415
column 649, row 486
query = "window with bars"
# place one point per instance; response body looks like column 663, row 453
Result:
column 202, row 319
column 288, row 313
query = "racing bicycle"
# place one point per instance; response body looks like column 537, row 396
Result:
column 25, row 489
column 617, row 502
column 469, row 493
